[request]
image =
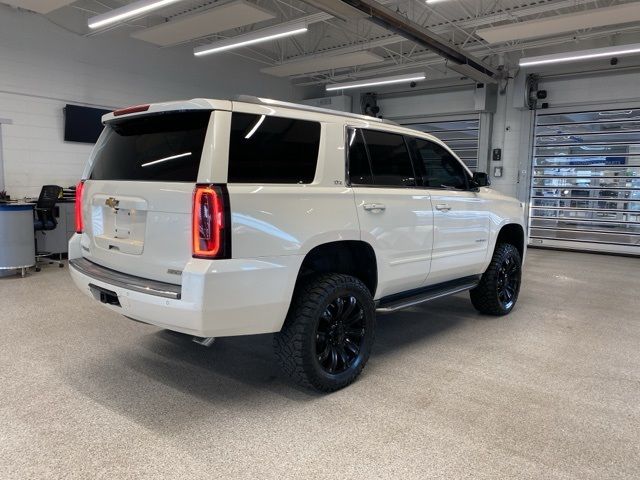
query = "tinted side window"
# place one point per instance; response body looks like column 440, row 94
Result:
column 160, row 147
column 266, row 149
column 359, row 168
column 439, row 168
column 389, row 158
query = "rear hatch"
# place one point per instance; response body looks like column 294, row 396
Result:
column 137, row 198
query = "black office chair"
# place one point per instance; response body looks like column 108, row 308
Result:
column 45, row 219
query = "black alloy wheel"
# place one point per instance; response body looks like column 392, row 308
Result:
column 340, row 335
column 508, row 282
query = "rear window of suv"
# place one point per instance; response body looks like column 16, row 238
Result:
column 266, row 149
column 161, row 147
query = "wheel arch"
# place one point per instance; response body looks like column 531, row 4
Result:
column 350, row 257
column 512, row 233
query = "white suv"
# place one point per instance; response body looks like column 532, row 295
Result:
column 217, row 218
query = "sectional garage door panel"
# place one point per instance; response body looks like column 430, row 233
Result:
column 585, row 187
column 592, row 117
column 586, row 128
column 461, row 135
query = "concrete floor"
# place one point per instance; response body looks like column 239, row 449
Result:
column 552, row 391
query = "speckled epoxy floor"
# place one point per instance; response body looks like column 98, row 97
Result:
column 552, row 391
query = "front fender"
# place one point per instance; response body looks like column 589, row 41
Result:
column 505, row 211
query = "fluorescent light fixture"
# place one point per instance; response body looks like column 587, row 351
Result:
column 412, row 77
column 255, row 127
column 132, row 10
column 580, row 55
column 259, row 36
column 430, row 2
column 166, row 159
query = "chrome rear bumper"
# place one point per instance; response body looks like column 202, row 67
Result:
column 122, row 280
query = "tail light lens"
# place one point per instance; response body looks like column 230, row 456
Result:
column 210, row 222
column 79, row 220
column 131, row 109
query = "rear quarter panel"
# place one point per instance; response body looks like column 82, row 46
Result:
column 285, row 219
column 273, row 220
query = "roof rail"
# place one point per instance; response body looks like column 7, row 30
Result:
column 306, row 108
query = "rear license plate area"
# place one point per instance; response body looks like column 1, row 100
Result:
column 104, row 296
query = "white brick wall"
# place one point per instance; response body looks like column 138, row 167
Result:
column 43, row 67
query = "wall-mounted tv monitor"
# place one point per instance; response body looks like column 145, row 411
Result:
column 82, row 124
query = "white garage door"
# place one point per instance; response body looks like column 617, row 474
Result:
column 461, row 134
column 585, row 191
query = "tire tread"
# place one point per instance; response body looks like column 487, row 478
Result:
column 483, row 297
column 289, row 343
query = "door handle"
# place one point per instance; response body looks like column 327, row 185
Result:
column 443, row 207
column 374, row 207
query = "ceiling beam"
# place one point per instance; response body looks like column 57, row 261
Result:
column 394, row 21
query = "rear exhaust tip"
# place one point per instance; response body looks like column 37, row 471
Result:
column 204, row 341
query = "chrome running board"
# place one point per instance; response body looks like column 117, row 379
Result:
column 411, row 298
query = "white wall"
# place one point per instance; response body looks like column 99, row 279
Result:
column 43, row 67
column 597, row 87
column 427, row 103
column 511, row 133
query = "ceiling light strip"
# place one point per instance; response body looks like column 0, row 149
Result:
column 259, row 36
column 128, row 11
column 412, row 77
column 580, row 55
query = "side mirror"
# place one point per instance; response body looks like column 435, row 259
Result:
column 481, row 179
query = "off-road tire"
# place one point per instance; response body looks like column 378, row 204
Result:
column 486, row 296
column 296, row 344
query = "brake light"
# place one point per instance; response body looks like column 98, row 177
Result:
column 209, row 222
column 131, row 109
column 79, row 221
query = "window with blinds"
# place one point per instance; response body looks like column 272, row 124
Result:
column 461, row 136
column 585, row 190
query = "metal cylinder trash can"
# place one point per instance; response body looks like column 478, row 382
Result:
column 17, row 247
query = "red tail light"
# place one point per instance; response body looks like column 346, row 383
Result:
column 79, row 221
column 210, row 229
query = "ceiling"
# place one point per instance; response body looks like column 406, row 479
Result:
column 334, row 50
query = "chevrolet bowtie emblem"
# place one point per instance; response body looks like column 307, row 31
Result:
column 112, row 202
